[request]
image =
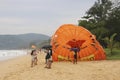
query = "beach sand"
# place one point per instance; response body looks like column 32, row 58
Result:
column 19, row 69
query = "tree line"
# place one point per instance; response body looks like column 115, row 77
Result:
column 103, row 20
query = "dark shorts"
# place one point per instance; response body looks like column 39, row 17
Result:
column 75, row 56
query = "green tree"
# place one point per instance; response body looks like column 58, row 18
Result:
column 96, row 18
column 113, row 22
column 103, row 19
column 110, row 42
column 100, row 10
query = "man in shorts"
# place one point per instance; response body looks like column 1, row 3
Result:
column 34, row 58
column 48, row 59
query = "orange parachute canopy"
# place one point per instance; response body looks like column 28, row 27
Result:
column 70, row 36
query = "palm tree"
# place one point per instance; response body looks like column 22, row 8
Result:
column 110, row 42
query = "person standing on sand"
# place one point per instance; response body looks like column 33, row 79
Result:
column 48, row 58
column 75, row 50
column 34, row 58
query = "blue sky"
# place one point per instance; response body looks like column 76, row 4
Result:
column 40, row 16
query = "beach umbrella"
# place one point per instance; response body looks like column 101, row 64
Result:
column 69, row 36
column 47, row 47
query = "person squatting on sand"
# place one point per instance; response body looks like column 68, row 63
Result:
column 48, row 58
column 33, row 58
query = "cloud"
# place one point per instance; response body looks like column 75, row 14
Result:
column 12, row 20
column 40, row 16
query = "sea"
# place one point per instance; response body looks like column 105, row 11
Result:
column 8, row 54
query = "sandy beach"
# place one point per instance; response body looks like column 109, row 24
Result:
column 19, row 69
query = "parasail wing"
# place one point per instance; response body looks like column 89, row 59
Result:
column 75, row 43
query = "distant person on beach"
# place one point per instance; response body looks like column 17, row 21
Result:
column 34, row 58
column 48, row 58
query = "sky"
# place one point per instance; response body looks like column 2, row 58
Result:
column 40, row 16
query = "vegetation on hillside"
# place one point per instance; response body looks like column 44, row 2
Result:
column 21, row 41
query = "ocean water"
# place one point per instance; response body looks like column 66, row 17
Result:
column 8, row 54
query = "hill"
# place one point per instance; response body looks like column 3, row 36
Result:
column 21, row 40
